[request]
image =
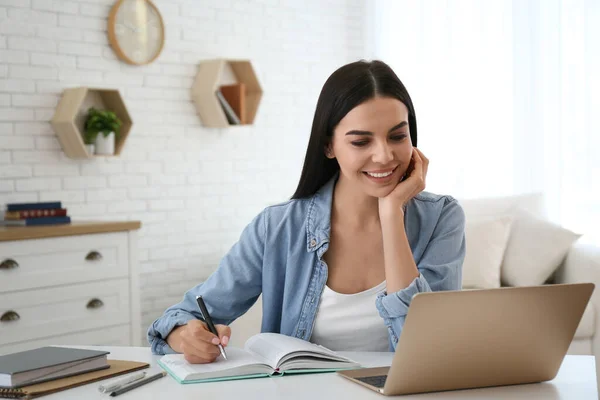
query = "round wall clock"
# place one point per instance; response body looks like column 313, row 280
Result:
column 136, row 31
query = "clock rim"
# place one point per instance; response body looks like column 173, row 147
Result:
column 112, row 36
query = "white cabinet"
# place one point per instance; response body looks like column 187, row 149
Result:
column 81, row 288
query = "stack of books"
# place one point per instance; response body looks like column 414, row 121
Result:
column 48, row 363
column 34, row 373
column 43, row 213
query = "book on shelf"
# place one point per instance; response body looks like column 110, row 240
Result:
column 48, row 363
column 232, row 118
column 33, row 206
column 263, row 355
column 37, row 213
column 36, row 221
column 236, row 98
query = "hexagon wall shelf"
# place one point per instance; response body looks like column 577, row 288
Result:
column 69, row 118
column 212, row 74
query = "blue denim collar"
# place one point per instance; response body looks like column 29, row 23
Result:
column 318, row 225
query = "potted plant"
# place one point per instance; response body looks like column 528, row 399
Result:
column 101, row 129
column 89, row 144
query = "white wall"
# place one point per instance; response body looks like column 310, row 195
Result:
column 193, row 188
column 506, row 94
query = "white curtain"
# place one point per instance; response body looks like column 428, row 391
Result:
column 505, row 92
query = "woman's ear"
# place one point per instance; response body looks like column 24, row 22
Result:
column 329, row 151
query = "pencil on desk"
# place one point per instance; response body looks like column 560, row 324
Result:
column 138, row 384
column 117, row 384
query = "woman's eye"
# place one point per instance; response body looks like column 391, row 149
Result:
column 360, row 143
column 398, row 138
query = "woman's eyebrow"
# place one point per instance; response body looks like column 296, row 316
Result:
column 368, row 133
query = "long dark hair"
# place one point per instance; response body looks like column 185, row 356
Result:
column 345, row 89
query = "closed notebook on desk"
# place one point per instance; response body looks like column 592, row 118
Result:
column 116, row 367
column 47, row 363
column 264, row 355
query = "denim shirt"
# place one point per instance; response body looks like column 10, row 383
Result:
column 280, row 254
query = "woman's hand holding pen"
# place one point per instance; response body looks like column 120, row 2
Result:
column 409, row 187
column 197, row 343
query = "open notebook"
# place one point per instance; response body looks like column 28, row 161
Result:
column 263, row 355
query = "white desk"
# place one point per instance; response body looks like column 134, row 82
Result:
column 575, row 380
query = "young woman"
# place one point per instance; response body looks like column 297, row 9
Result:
column 339, row 263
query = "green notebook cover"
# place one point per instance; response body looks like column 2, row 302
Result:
column 228, row 378
column 252, row 376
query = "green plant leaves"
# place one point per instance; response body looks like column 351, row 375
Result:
column 97, row 121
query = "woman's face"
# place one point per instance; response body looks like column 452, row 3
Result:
column 372, row 146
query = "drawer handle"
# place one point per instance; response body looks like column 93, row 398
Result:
column 10, row 316
column 93, row 256
column 9, row 263
column 94, row 304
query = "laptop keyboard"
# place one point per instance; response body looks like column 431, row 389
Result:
column 377, row 381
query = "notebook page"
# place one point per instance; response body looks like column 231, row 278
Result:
column 275, row 347
column 238, row 362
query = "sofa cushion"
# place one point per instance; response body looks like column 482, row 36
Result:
column 535, row 249
column 486, row 241
column 486, row 207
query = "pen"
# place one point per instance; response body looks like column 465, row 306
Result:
column 209, row 322
column 138, row 383
column 117, row 384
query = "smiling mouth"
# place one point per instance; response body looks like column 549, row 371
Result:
column 380, row 175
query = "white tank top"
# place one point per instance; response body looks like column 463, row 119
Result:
column 350, row 322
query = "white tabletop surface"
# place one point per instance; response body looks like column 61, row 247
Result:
column 576, row 379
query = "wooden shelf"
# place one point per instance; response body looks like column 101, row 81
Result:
column 74, row 228
column 71, row 113
column 214, row 73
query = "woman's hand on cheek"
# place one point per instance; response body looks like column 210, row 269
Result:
column 412, row 185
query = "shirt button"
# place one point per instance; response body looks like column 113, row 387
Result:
column 313, row 243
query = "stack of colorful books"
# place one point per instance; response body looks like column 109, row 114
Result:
column 44, row 213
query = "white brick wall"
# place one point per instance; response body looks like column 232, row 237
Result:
column 193, row 188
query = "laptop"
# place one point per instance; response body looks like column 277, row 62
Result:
column 480, row 338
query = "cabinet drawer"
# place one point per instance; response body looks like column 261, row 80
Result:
column 27, row 264
column 114, row 336
column 40, row 313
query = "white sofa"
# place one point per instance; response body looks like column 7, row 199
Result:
column 581, row 261
column 581, row 264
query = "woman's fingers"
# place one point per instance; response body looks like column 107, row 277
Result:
column 194, row 359
column 200, row 347
column 200, row 331
column 197, row 351
column 197, row 343
column 425, row 161
column 224, row 333
column 418, row 172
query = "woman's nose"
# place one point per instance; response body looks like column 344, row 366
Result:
column 382, row 154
